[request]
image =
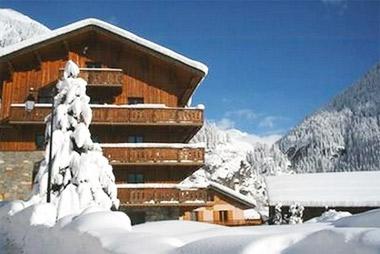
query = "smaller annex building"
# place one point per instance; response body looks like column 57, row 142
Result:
column 354, row 192
column 210, row 202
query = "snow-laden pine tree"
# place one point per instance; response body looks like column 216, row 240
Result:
column 236, row 161
column 16, row 27
column 277, row 218
column 342, row 136
column 296, row 214
column 81, row 175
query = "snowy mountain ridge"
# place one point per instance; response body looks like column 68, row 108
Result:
column 235, row 159
column 16, row 27
column 342, row 136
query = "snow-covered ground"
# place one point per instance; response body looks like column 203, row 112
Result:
column 33, row 230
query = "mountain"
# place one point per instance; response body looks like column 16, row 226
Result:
column 16, row 27
column 239, row 161
column 342, row 136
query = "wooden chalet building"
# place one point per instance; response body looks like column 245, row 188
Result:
column 354, row 192
column 139, row 95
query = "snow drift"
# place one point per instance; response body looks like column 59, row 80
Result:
column 31, row 231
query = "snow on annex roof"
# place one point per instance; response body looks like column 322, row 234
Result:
column 114, row 29
column 346, row 189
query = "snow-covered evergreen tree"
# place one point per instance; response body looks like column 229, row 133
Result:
column 232, row 157
column 16, row 27
column 81, row 175
column 342, row 136
column 296, row 214
column 277, row 218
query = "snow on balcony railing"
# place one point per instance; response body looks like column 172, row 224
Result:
column 106, row 77
column 137, row 106
column 141, row 114
column 154, row 153
column 162, row 196
column 154, row 145
column 161, row 186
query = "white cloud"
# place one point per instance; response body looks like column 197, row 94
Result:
column 225, row 123
column 339, row 6
column 270, row 121
column 246, row 114
column 266, row 139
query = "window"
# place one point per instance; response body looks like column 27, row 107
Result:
column 93, row 65
column 223, row 215
column 45, row 94
column 135, row 178
column 135, row 100
column 135, row 139
column 40, row 140
column 95, row 139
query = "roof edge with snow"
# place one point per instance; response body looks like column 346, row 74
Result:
column 111, row 28
column 339, row 189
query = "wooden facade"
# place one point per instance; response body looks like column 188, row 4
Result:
column 120, row 71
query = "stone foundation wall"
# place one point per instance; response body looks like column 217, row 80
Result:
column 16, row 171
column 140, row 215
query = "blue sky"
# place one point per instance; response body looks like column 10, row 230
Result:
column 270, row 63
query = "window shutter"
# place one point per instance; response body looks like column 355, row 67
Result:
column 216, row 216
column 230, row 215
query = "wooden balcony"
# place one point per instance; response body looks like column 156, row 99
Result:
column 159, row 155
column 117, row 115
column 101, row 77
column 162, row 197
column 236, row 223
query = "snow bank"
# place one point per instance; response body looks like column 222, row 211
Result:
column 34, row 229
column 251, row 214
column 367, row 219
column 96, row 231
column 329, row 216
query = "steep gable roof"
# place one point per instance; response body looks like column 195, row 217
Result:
column 8, row 51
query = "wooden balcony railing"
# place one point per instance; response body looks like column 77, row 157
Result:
column 154, row 155
column 162, row 197
column 116, row 115
column 101, row 76
column 233, row 223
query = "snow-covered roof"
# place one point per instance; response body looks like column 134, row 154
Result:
column 232, row 193
column 251, row 214
column 111, row 28
column 326, row 189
